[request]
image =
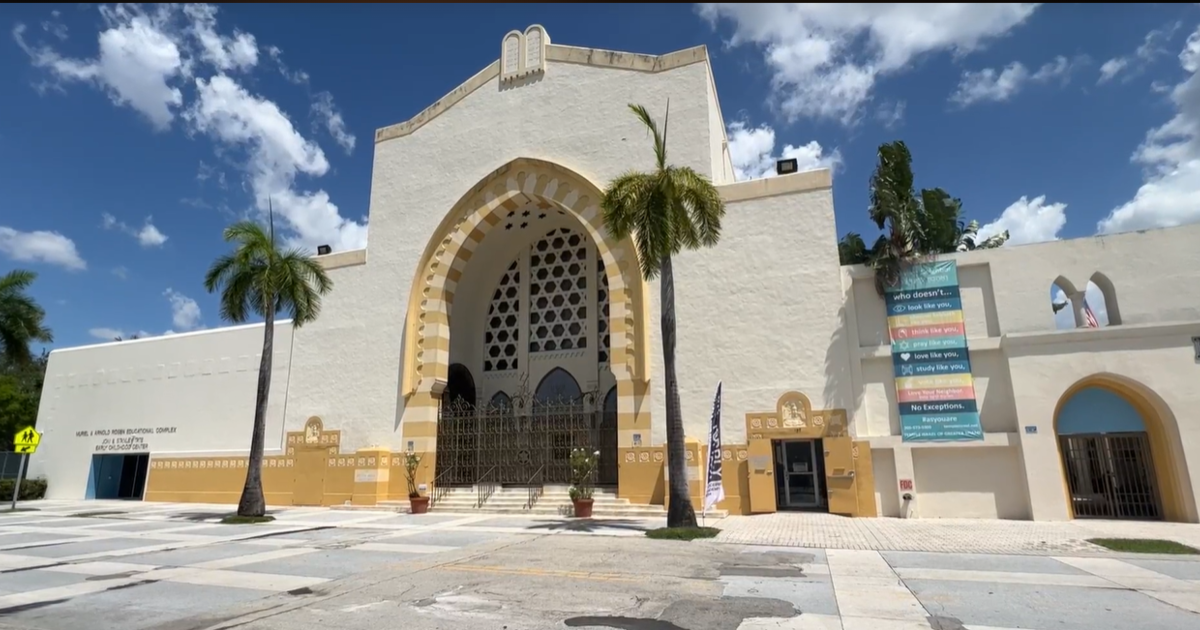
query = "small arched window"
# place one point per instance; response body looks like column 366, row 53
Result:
column 558, row 388
column 501, row 401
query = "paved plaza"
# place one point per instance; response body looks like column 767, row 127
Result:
column 148, row 566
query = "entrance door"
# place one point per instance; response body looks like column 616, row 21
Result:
column 119, row 476
column 1111, row 475
column 309, row 482
column 798, row 481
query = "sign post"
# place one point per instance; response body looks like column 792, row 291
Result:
column 26, row 443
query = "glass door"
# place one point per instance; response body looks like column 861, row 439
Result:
column 800, row 478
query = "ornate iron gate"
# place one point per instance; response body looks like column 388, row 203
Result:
column 521, row 443
column 1111, row 475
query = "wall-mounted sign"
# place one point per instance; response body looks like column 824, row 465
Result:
column 1030, row 429
column 124, row 440
column 906, row 484
column 934, row 386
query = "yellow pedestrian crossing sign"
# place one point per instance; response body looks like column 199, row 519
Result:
column 26, row 440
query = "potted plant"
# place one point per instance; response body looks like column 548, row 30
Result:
column 583, row 467
column 417, row 504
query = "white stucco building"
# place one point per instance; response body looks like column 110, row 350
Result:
column 490, row 279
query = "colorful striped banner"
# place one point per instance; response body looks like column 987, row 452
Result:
column 934, row 386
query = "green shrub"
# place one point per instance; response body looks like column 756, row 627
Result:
column 31, row 489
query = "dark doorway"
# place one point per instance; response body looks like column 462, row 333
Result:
column 460, row 386
column 800, row 475
column 1111, row 475
column 119, row 476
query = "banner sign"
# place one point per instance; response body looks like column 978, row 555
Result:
column 714, row 490
column 934, row 386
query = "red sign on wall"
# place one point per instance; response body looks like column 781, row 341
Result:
column 906, row 484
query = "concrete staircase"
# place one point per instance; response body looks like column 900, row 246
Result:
column 555, row 501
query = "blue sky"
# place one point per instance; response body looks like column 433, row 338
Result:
column 129, row 136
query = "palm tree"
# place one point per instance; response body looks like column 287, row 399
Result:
column 260, row 278
column 21, row 319
column 916, row 226
column 666, row 211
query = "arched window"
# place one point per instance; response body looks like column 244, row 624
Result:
column 500, row 400
column 602, row 305
column 503, row 323
column 557, row 388
column 610, row 401
column 558, row 292
column 460, row 386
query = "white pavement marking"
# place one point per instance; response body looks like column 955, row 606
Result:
column 235, row 579
column 402, row 548
column 10, row 561
column 101, row 568
column 1006, row 577
column 65, row 592
column 229, row 563
column 865, row 586
column 1180, row 593
column 800, row 622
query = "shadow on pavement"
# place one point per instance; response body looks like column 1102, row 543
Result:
column 592, row 525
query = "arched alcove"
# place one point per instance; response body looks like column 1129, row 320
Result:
column 1119, row 444
column 1101, row 289
column 460, row 386
column 1061, row 306
column 556, row 388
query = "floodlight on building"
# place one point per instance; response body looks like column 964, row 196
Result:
column 787, row 167
column 323, row 250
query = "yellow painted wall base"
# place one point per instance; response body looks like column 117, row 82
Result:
column 313, row 471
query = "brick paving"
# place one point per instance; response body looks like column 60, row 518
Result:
column 941, row 535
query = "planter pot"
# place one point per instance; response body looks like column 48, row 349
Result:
column 418, row 505
column 583, row 508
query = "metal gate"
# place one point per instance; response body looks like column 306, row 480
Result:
column 520, row 443
column 1111, row 475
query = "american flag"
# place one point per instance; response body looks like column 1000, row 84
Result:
column 1089, row 317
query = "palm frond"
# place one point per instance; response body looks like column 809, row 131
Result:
column 660, row 142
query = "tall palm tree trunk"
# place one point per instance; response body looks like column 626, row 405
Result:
column 253, row 503
column 680, row 512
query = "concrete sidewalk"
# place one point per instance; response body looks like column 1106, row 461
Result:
column 825, row 531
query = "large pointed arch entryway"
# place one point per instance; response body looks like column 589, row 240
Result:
column 618, row 339
column 1119, row 451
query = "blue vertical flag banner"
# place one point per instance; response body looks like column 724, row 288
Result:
column 934, row 386
column 714, row 490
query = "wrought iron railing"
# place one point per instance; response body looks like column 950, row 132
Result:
column 440, row 487
column 534, row 488
column 513, row 440
column 485, row 487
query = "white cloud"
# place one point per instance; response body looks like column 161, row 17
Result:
column 40, row 246
column 121, row 272
column 328, row 115
column 136, row 62
column 175, row 63
column 111, row 334
column 147, row 235
column 826, row 58
column 890, row 114
column 1170, row 158
column 185, row 312
column 752, row 151
column 1129, row 66
column 1028, row 221
column 991, row 85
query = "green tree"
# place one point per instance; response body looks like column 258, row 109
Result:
column 18, row 408
column 260, row 278
column 22, row 320
column 666, row 211
column 914, row 226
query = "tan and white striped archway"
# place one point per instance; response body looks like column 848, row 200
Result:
column 431, row 302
